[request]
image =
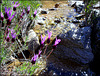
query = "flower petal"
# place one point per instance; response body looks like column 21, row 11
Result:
column 16, row 3
column 44, row 39
column 57, row 41
column 13, row 15
column 5, row 9
column 1, row 14
column 49, row 34
column 28, row 8
column 40, row 52
column 35, row 57
column 35, row 12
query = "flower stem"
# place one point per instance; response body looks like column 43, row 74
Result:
column 50, row 53
column 18, row 42
column 5, row 33
column 45, row 49
column 12, row 50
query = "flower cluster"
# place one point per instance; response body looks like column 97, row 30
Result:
column 13, row 35
column 28, row 10
column 8, row 15
column 33, row 60
column 15, row 5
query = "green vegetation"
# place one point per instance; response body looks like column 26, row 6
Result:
column 26, row 69
column 88, row 10
column 8, row 48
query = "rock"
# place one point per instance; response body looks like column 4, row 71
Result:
column 44, row 18
column 56, row 5
column 25, row 25
column 97, row 5
column 78, row 5
column 82, row 24
column 75, row 45
column 76, row 21
column 43, row 12
column 97, row 11
column 57, row 21
column 73, row 5
column 51, row 23
column 95, row 39
column 32, row 41
column 52, row 9
column 79, row 16
column 40, row 21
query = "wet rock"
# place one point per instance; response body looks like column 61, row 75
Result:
column 73, row 5
column 43, row 12
column 51, row 23
column 79, row 16
column 76, row 21
column 56, row 5
column 78, row 5
column 97, row 11
column 40, row 21
column 95, row 39
column 75, row 45
column 52, row 9
column 57, row 21
column 32, row 41
column 44, row 18
column 82, row 24
column 97, row 5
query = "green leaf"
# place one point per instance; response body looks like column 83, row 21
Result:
column 16, row 27
column 38, row 5
column 24, row 67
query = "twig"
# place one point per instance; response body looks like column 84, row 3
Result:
column 20, row 49
column 50, row 53
column 45, row 49
column 12, row 50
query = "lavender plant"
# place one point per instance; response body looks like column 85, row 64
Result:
column 35, row 57
column 11, row 36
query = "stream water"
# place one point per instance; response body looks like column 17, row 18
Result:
column 57, row 65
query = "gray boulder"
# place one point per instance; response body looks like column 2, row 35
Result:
column 32, row 41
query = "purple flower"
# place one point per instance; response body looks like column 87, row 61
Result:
column 8, row 38
column 39, row 52
column 49, row 35
column 56, row 42
column 6, row 12
column 42, row 41
column 35, row 12
column 28, row 9
column 13, row 34
column 10, row 17
column 2, row 18
column 8, row 30
column 15, row 5
column 12, row 31
column 33, row 60
column 22, row 13
column 13, row 37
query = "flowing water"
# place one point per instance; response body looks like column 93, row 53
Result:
column 55, row 65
